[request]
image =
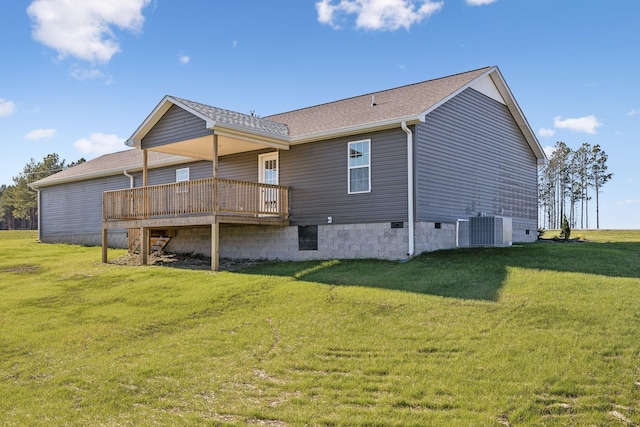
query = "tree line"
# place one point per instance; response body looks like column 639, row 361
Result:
column 18, row 202
column 568, row 182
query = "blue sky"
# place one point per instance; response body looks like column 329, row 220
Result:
column 79, row 76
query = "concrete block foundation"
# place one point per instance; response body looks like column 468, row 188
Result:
column 341, row 241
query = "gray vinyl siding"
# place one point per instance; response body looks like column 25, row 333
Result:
column 471, row 158
column 317, row 176
column 75, row 208
column 197, row 170
column 242, row 166
column 174, row 126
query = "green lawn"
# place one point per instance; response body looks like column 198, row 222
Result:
column 536, row 334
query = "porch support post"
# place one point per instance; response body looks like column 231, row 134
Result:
column 105, row 244
column 145, row 166
column 215, row 155
column 215, row 244
column 215, row 227
column 215, row 173
column 144, row 245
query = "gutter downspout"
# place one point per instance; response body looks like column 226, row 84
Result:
column 39, row 217
column 410, row 196
column 130, row 178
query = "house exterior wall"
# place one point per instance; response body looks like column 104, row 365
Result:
column 472, row 158
column 318, row 179
column 72, row 213
column 174, row 126
column 166, row 175
column 241, row 166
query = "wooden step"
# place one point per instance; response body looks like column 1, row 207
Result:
column 156, row 244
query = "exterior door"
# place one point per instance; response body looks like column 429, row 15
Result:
column 268, row 174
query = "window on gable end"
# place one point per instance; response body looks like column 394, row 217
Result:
column 359, row 161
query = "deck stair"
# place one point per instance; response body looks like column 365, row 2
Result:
column 156, row 243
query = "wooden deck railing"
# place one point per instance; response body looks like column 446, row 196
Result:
column 240, row 198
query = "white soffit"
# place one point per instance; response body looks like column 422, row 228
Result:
column 485, row 85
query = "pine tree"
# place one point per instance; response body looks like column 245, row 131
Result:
column 600, row 176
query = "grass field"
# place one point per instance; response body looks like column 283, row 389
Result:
column 536, row 334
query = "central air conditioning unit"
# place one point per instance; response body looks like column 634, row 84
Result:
column 490, row 231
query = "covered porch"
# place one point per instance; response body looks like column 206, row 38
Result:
column 201, row 132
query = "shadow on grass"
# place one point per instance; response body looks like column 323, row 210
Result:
column 471, row 273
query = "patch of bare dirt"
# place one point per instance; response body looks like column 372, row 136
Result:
column 21, row 269
column 186, row 261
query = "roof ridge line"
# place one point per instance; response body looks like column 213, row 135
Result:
column 383, row 90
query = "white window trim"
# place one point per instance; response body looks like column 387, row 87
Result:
column 349, row 167
column 178, row 171
column 274, row 155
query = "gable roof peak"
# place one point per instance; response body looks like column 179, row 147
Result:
column 392, row 106
column 477, row 72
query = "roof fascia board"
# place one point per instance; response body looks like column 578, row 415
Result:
column 519, row 116
column 354, row 130
column 282, row 145
column 438, row 104
column 113, row 171
column 256, row 136
column 512, row 105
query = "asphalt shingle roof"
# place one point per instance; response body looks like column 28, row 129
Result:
column 110, row 164
column 237, row 120
column 398, row 103
column 405, row 101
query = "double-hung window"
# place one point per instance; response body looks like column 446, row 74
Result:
column 182, row 180
column 359, row 166
column 182, row 174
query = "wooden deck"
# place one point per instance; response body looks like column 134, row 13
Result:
column 198, row 202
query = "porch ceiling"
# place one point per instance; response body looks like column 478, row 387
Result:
column 202, row 148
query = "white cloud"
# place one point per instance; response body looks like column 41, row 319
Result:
column 480, row 2
column 6, row 107
column 100, row 143
column 549, row 150
column 234, row 44
column 388, row 15
column 587, row 124
column 38, row 134
column 80, row 73
column 633, row 112
column 84, row 28
column 628, row 202
column 546, row 132
column 183, row 59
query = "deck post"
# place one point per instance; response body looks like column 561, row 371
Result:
column 105, row 244
column 215, row 173
column 215, row 227
column 215, row 155
column 215, row 246
column 145, row 167
column 144, row 245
